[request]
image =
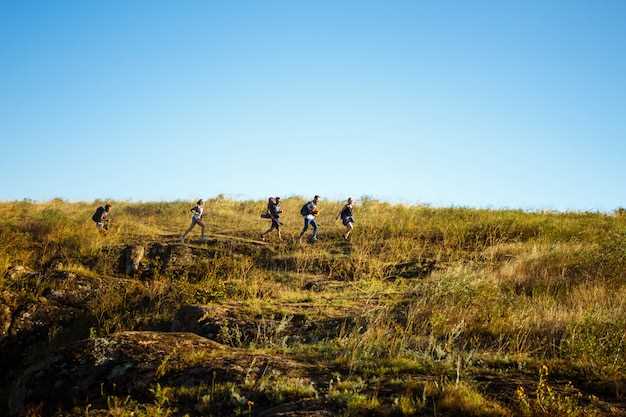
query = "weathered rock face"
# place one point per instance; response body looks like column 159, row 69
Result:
column 212, row 321
column 231, row 325
column 63, row 312
column 73, row 290
column 410, row 269
column 146, row 261
column 17, row 271
column 133, row 255
column 173, row 258
column 7, row 306
column 27, row 323
column 34, row 320
column 131, row 363
column 124, row 363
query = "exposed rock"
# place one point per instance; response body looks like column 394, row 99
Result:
column 131, row 363
column 5, row 320
column 172, row 258
column 316, row 286
column 7, row 306
column 27, row 328
column 177, row 257
column 28, row 325
column 71, row 289
column 233, row 325
column 215, row 322
column 17, row 271
column 411, row 269
column 56, row 264
column 133, row 255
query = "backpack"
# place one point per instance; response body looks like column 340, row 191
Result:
column 97, row 216
column 304, row 211
column 346, row 212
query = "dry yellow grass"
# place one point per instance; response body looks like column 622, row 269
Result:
column 507, row 286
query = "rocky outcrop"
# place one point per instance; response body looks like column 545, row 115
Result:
column 63, row 312
column 17, row 271
column 417, row 268
column 7, row 307
column 172, row 258
column 133, row 255
column 26, row 319
column 147, row 261
column 234, row 325
column 132, row 363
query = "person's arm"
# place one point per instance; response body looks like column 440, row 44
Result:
column 339, row 214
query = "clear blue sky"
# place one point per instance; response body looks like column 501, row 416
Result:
column 481, row 103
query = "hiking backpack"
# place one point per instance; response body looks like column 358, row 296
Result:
column 97, row 216
column 304, row 211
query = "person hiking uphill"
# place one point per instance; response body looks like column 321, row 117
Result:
column 346, row 218
column 101, row 218
column 273, row 213
column 196, row 219
column 308, row 212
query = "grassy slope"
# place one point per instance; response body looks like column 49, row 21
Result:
column 517, row 305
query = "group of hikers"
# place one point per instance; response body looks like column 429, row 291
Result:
column 309, row 212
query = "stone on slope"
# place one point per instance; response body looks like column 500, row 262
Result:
column 132, row 363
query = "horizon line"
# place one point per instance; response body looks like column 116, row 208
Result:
column 391, row 201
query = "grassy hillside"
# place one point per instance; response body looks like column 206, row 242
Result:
column 426, row 311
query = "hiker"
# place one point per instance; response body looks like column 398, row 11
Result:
column 346, row 218
column 309, row 211
column 273, row 213
column 196, row 219
column 101, row 218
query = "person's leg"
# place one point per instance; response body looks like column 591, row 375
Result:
column 304, row 229
column 273, row 226
column 349, row 226
column 201, row 223
column 276, row 225
column 266, row 232
column 314, row 225
column 184, row 236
